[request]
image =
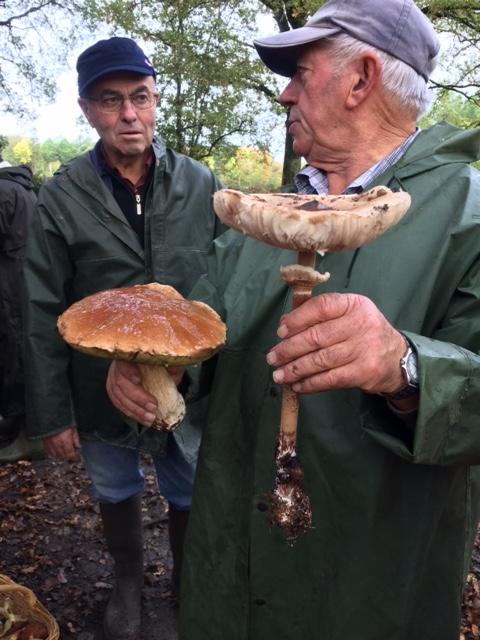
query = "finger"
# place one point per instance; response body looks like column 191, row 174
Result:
column 128, row 370
column 177, row 373
column 128, row 387
column 125, row 391
column 315, row 337
column 49, row 450
column 132, row 401
column 340, row 378
column 315, row 362
column 327, row 306
column 76, row 439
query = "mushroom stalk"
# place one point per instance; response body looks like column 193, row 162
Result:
column 290, row 505
column 170, row 404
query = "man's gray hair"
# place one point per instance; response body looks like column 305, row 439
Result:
column 402, row 84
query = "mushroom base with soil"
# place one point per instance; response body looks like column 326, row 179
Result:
column 289, row 504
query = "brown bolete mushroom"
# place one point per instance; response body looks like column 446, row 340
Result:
column 307, row 224
column 152, row 325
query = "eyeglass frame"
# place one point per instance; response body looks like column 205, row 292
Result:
column 129, row 97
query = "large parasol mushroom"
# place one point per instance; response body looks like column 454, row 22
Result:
column 307, row 224
column 152, row 325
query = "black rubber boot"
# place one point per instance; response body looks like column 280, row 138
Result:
column 177, row 527
column 122, row 525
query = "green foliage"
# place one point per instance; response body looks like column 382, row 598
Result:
column 291, row 13
column 456, row 110
column 247, row 169
column 43, row 157
column 458, row 24
column 22, row 151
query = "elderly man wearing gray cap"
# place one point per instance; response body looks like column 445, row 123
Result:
column 385, row 361
column 128, row 212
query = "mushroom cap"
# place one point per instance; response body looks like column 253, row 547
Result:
column 312, row 222
column 149, row 324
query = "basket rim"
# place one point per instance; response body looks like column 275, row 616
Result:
column 39, row 611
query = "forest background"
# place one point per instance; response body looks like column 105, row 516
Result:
column 217, row 99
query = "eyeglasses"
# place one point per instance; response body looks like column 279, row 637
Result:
column 113, row 103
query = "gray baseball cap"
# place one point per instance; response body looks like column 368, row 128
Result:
column 397, row 27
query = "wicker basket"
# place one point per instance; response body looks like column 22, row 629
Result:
column 25, row 603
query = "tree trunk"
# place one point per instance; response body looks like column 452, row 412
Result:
column 291, row 162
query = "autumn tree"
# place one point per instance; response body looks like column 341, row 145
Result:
column 248, row 169
column 458, row 24
column 35, row 38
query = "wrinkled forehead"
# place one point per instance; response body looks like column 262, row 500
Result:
column 122, row 81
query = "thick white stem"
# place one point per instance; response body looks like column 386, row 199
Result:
column 171, row 406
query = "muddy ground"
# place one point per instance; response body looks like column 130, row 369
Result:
column 51, row 542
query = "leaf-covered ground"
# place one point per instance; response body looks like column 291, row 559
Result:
column 51, row 542
column 470, row 629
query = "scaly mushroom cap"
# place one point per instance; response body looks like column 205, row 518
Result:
column 312, row 222
column 150, row 324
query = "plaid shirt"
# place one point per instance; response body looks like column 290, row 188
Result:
column 311, row 180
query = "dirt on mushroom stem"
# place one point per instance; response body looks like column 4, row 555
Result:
column 289, row 505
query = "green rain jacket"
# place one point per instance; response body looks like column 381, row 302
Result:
column 395, row 507
column 80, row 243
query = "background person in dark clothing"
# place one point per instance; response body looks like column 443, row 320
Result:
column 17, row 201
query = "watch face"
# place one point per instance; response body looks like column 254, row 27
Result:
column 411, row 370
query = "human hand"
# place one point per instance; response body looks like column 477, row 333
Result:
column 64, row 445
column 124, row 388
column 338, row 341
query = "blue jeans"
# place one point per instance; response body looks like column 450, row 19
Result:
column 116, row 474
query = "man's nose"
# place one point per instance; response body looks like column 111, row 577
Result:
column 287, row 97
column 128, row 111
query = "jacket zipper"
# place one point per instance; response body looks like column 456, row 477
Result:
column 139, row 204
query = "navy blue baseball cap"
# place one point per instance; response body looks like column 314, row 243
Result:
column 108, row 56
column 397, row 27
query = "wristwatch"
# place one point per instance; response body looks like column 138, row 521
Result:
column 408, row 366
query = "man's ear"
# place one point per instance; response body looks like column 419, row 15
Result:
column 84, row 106
column 365, row 75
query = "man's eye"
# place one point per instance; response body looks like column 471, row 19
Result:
column 141, row 99
column 111, row 101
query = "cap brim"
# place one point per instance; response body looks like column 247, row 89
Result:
column 281, row 51
column 142, row 71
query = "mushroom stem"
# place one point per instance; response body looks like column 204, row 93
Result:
column 170, row 404
column 301, row 281
column 290, row 505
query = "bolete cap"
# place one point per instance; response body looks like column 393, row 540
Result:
column 149, row 324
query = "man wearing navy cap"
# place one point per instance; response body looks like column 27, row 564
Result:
column 128, row 212
column 385, row 360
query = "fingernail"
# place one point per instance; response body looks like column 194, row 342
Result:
column 149, row 417
column 278, row 376
column 271, row 357
column 151, row 408
column 282, row 331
